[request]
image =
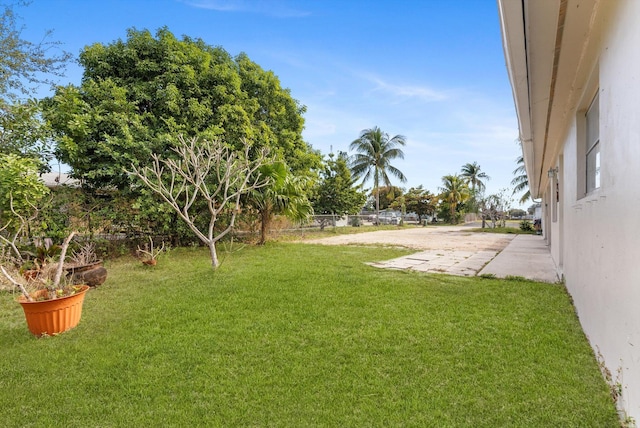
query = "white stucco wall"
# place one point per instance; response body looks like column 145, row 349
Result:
column 598, row 246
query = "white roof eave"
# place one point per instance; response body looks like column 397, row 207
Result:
column 511, row 16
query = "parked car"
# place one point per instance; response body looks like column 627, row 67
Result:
column 411, row 217
column 387, row 217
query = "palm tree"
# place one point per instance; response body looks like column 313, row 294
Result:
column 285, row 195
column 474, row 177
column 454, row 191
column 521, row 181
column 374, row 153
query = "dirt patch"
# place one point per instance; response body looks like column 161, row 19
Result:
column 426, row 238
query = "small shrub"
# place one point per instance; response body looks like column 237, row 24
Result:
column 526, row 226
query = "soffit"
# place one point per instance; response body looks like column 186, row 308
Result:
column 541, row 30
column 558, row 42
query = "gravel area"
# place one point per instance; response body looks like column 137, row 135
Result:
column 451, row 238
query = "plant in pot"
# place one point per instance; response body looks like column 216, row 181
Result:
column 49, row 308
column 37, row 257
column 149, row 256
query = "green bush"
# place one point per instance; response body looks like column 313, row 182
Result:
column 526, row 226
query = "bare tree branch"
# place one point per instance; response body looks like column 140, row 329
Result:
column 12, row 243
column 150, row 252
column 17, row 284
column 209, row 171
column 63, row 255
column 23, row 224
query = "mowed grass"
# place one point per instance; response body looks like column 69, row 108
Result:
column 293, row 335
column 507, row 229
column 316, row 233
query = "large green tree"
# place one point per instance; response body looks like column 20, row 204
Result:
column 24, row 67
column 24, row 133
column 276, row 117
column 21, row 190
column 24, row 137
column 420, row 201
column 337, row 192
column 389, row 196
column 137, row 95
column 454, row 191
column 375, row 151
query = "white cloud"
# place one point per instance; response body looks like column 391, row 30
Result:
column 331, row 126
column 423, row 93
column 445, row 127
column 275, row 8
column 318, row 128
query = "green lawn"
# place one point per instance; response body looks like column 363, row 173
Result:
column 315, row 233
column 294, row 335
column 508, row 229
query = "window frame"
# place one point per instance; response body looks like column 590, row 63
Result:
column 592, row 156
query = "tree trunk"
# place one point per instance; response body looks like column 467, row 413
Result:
column 265, row 216
column 214, row 256
column 175, row 239
column 377, row 200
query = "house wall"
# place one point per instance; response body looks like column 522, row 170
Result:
column 598, row 246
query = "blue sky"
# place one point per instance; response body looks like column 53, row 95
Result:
column 431, row 70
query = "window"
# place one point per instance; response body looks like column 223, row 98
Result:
column 593, row 145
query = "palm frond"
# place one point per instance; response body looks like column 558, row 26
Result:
column 373, row 152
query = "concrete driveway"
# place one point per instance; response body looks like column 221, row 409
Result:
column 455, row 250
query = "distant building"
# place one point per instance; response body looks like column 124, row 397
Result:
column 574, row 67
column 54, row 179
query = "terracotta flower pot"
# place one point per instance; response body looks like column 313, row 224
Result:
column 54, row 316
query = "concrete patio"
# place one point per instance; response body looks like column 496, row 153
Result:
column 525, row 256
column 456, row 250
